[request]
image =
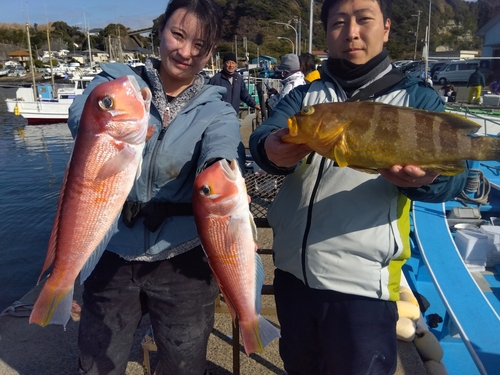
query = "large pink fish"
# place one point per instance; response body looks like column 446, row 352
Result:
column 227, row 233
column 104, row 164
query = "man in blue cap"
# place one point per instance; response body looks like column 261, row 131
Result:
column 230, row 79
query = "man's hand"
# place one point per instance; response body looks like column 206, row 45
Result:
column 257, row 107
column 408, row 176
column 284, row 154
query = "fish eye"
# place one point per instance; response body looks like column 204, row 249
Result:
column 106, row 102
column 307, row 110
column 205, row 190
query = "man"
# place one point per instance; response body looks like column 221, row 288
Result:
column 233, row 82
column 476, row 82
column 341, row 236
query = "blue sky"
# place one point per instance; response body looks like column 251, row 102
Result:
column 96, row 13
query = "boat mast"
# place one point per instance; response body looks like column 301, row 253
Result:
column 50, row 62
column 90, row 51
column 88, row 39
column 32, row 68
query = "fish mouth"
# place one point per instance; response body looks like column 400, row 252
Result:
column 230, row 170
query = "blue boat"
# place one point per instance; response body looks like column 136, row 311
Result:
column 460, row 279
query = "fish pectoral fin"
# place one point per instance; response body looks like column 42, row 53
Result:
column 117, row 163
column 448, row 169
column 339, row 155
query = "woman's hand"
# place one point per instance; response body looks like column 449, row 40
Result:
column 408, row 176
column 284, row 154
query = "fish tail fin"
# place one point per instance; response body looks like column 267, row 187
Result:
column 487, row 147
column 257, row 334
column 53, row 306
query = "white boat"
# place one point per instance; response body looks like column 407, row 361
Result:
column 51, row 106
column 489, row 119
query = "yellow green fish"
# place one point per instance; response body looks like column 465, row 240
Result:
column 371, row 135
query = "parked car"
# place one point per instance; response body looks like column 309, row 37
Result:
column 400, row 63
column 456, row 71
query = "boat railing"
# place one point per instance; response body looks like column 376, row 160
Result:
column 467, row 307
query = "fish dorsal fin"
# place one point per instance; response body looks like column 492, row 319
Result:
column 117, row 163
column 460, row 123
column 51, row 250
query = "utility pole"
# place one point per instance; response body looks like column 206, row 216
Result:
column 311, row 11
column 236, row 49
column 416, row 33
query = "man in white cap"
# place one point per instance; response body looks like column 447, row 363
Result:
column 292, row 76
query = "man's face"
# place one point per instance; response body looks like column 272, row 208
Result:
column 230, row 66
column 356, row 30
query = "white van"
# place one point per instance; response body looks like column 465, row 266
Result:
column 456, row 71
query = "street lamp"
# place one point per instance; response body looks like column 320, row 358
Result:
column 282, row 37
column 294, row 29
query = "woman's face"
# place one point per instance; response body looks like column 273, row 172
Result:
column 180, row 44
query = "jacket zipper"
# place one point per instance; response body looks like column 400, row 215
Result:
column 309, row 215
column 151, row 167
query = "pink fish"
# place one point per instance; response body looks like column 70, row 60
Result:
column 227, row 233
column 104, row 164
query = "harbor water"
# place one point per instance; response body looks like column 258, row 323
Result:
column 32, row 164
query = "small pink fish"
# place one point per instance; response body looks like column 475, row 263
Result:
column 227, row 233
column 104, row 164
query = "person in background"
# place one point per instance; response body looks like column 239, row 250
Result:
column 449, row 91
column 291, row 76
column 233, row 82
column 154, row 263
column 476, row 82
column 341, row 236
column 495, row 87
column 308, row 67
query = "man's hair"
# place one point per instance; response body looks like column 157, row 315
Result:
column 327, row 4
column 209, row 15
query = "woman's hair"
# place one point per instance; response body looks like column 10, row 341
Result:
column 208, row 14
column 307, row 63
column 327, row 4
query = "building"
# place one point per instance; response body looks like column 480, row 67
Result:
column 21, row 56
column 491, row 43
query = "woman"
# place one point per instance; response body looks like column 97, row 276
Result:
column 308, row 67
column 154, row 263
